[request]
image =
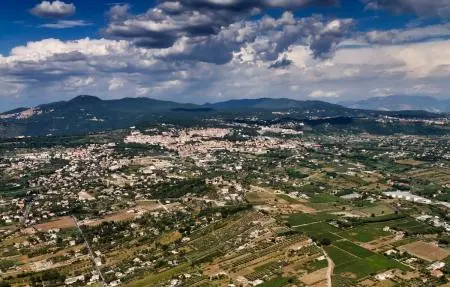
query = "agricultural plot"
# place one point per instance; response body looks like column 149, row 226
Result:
column 426, row 251
column 353, row 248
column 263, row 271
column 411, row 227
column 340, row 256
column 153, row 279
column 277, row 282
column 371, row 265
column 365, row 233
column 304, row 218
column 320, row 231
column 324, row 198
column 61, row 223
column 377, row 210
column 354, row 262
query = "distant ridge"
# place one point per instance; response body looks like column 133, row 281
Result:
column 403, row 102
column 85, row 114
column 85, row 99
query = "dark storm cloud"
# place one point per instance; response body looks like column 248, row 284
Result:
column 421, row 8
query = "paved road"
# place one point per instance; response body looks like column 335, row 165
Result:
column 91, row 254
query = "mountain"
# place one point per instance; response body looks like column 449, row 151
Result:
column 402, row 102
column 272, row 104
column 86, row 114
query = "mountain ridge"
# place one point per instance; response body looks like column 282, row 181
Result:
column 402, row 102
column 86, row 114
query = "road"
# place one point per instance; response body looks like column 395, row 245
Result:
column 330, row 268
column 91, row 254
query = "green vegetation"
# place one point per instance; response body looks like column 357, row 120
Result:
column 353, row 248
column 352, row 259
column 176, row 189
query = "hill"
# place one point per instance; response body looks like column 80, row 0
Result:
column 402, row 102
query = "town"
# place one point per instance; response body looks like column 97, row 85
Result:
column 234, row 204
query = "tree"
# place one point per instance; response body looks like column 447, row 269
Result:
column 325, row 241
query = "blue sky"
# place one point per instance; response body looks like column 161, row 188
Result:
column 213, row 50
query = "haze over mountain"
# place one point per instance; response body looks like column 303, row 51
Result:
column 402, row 102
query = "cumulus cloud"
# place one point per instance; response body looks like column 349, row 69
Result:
column 116, row 83
column 55, row 9
column 75, row 83
column 51, row 66
column 206, row 50
column 421, row 8
column 197, row 26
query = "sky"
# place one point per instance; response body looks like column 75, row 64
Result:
column 214, row 50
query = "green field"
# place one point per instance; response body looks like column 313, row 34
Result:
column 353, row 248
column 277, row 282
column 368, row 266
column 324, row 198
column 304, row 218
column 365, row 233
column 350, row 258
column 316, row 229
column 339, row 256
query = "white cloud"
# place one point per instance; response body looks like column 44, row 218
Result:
column 141, row 91
column 75, row 83
column 323, row 94
column 116, row 83
column 43, row 69
column 65, row 24
column 55, row 9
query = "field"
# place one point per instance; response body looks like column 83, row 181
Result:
column 425, row 251
column 353, row 248
column 153, row 279
column 315, row 277
column 61, row 223
column 303, row 218
column 277, row 282
column 365, row 233
column 377, row 209
column 320, row 231
column 354, row 262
